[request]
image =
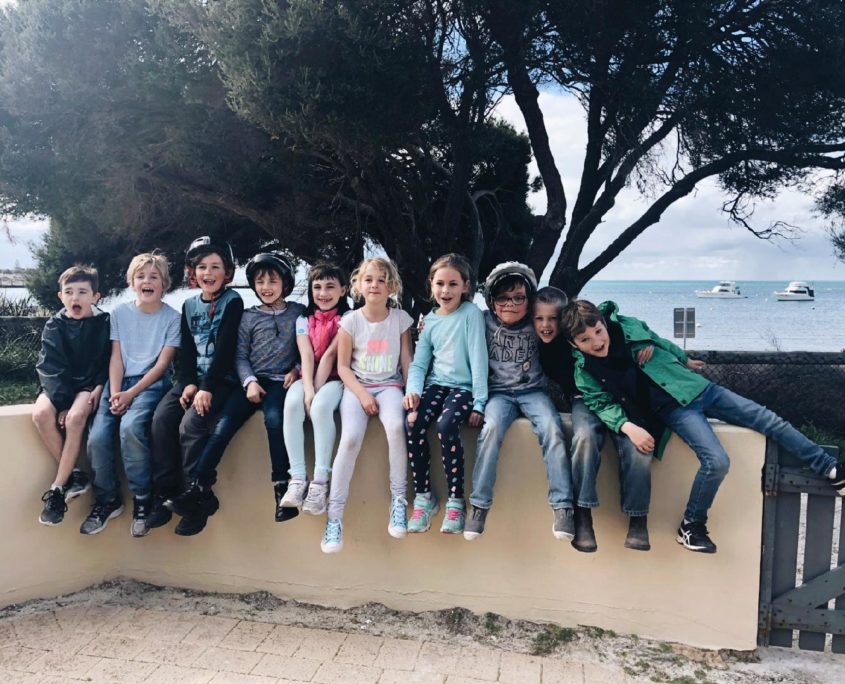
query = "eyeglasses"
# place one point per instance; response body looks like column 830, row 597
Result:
column 516, row 300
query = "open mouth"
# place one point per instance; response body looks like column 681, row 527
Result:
column 147, row 291
column 76, row 308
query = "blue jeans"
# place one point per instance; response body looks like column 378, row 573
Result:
column 502, row 409
column 134, row 430
column 634, row 466
column 690, row 423
column 237, row 410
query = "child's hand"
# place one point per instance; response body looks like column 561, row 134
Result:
column 412, row 418
column 255, row 392
column 187, row 396
column 369, row 404
column 695, row 365
column 61, row 418
column 291, row 377
column 475, row 419
column 644, row 355
column 202, row 402
column 309, row 398
column 420, row 325
column 640, row 437
column 119, row 403
column 94, row 398
column 411, row 402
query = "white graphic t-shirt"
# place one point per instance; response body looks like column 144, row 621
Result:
column 376, row 346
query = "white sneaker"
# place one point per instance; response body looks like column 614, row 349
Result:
column 315, row 502
column 397, row 525
column 332, row 537
column 294, row 495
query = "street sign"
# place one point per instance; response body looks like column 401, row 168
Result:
column 685, row 323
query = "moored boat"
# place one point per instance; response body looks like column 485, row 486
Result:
column 796, row 291
column 726, row 289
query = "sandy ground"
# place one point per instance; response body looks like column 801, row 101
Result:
column 641, row 659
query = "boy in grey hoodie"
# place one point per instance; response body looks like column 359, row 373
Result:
column 515, row 385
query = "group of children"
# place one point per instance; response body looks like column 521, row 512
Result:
column 291, row 361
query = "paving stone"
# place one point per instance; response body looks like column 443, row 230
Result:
column 359, row 649
column 606, row 674
column 173, row 628
column 478, row 663
column 168, row 674
column 562, row 672
column 459, row 679
column 110, row 670
column 229, row 660
column 36, row 626
column 232, row 678
column 61, row 642
column 7, row 635
column 517, row 668
column 283, row 640
column 16, row 676
column 75, row 666
column 71, row 617
column 398, row 654
column 246, row 636
column 18, row 657
column 296, row 669
column 102, row 618
column 113, row 646
column 435, row 657
column 340, row 673
column 176, row 653
column 210, row 630
column 320, row 644
column 405, row 677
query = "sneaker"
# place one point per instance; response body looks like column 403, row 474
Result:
column 159, row 515
column 397, row 525
column 317, row 499
column 191, row 525
column 77, row 484
column 283, row 513
column 837, row 478
column 295, row 494
column 100, row 515
column 695, row 537
column 585, row 537
column 188, row 502
column 474, row 526
column 425, row 508
column 332, row 537
column 563, row 526
column 54, row 506
column 637, row 538
column 140, row 512
column 453, row 521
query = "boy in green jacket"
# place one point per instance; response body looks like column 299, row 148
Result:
column 644, row 401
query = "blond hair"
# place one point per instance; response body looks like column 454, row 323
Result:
column 80, row 273
column 391, row 276
column 459, row 263
column 159, row 262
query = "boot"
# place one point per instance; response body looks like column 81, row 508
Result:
column 637, row 538
column 585, row 538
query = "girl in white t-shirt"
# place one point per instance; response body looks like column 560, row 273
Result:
column 373, row 355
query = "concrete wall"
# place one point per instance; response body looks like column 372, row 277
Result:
column 517, row 568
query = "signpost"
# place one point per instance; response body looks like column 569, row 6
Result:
column 685, row 323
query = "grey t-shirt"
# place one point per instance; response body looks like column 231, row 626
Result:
column 513, row 356
column 267, row 343
column 142, row 335
column 376, row 346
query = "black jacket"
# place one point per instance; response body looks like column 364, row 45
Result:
column 74, row 355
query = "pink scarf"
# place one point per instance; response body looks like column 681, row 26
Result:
column 322, row 328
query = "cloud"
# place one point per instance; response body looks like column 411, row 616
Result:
column 16, row 239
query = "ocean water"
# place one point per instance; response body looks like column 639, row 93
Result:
column 757, row 323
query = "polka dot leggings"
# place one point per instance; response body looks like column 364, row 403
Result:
column 450, row 406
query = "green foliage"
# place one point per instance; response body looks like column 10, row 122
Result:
column 824, row 437
column 25, row 306
column 17, row 392
column 552, row 638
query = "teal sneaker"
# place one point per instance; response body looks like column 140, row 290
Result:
column 453, row 521
column 397, row 525
column 425, row 508
column 332, row 537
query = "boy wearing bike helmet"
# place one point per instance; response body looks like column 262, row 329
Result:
column 206, row 377
column 265, row 360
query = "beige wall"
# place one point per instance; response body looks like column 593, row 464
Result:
column 517, row 568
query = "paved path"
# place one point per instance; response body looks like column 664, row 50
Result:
column 115, row 644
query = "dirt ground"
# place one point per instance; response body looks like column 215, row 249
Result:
column 641, row 659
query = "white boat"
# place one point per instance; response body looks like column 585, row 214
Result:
column 796, row 291
column 726, row 289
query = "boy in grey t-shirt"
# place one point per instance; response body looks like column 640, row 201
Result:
column 145, row 335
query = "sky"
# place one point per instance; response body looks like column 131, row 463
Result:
column 693, row 240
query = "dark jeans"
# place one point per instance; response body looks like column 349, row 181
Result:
column 235, row 413
column 179, row 437
column 449, row 405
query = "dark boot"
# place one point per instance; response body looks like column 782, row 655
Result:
column 283, row 513
column 191, row 525
column 188, row 502
column 159, row 515
column 637, row 538
column 585, row 538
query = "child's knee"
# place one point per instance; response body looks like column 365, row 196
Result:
column 44, row 416
column 76, row 419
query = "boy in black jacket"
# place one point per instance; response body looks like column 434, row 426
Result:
column 72, row 368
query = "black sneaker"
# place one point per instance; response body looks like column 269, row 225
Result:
column 188, row 502
column 564, row 524
column 77, row 484
column 585, row 537
column 474, row 526
column 695, row 537
column 283, row 513
column 837, row 478
column 637, row 538
column 191, row 525
column 100, row 515
column 159, row 515
column 54, row 506
column 140, row 512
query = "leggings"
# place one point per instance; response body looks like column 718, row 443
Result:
column 326, row 400
column 353, row 426
column 453, row 405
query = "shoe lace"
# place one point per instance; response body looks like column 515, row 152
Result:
column 332, row 534
column 453, row 513
column 54, row 500
column 100, row 511
column 140, row 509
column 418, row 514
column 397, row 511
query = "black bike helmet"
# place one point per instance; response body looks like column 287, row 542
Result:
column 275, row 260
column 206, row 245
